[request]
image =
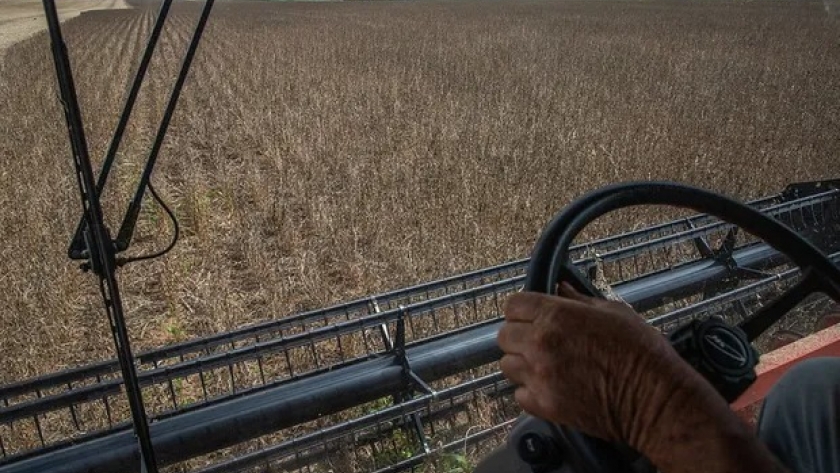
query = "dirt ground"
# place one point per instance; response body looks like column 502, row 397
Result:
column 20, row 19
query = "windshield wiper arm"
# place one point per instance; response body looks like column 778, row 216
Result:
column 97, row 238
column 133, row 212
column 78, row 249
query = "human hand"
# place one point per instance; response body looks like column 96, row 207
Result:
column 595, row 366
column 590, row 364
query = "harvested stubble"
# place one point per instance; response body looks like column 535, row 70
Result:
column 326, row 151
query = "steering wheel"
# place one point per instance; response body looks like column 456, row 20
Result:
column 540, row 447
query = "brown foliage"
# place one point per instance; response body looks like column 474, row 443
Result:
column 326, row 151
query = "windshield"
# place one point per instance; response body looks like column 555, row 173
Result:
column 324, row 152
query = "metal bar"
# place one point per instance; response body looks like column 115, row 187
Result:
column 767, row 315
column 698, row 232
column 106, row 367
column 77, row 247
column 107, row 405
column 336, row 431
column 259, row 363
column 733, row 295
column 643, row 294
column 209, row 428
column 99, row 243
column 415, row 461
column 132, row 213
column 38, row 426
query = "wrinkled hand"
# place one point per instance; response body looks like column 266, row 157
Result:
column 588, row 363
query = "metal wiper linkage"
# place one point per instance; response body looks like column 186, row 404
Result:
column 92, row 240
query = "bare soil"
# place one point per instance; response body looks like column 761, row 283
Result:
column 20, row 19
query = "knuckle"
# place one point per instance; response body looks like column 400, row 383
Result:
column 604, row 303
column 503, row 336
column 542, row 370
column 544, row 334
column 500, row 335
column 505, row 364
column 541, row 341
column 539, row 369
column 523, row 399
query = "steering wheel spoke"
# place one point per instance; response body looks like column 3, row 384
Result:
column 581, row 283
column 769, row 314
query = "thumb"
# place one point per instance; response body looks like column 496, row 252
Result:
column 567, row 290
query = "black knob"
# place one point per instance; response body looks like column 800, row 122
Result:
column 720, row 352
column 534, row 449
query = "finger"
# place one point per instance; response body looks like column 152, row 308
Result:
column 515, row 369
column 526, row 306
column 515, row 337
column 527, row 401
column 567, row 290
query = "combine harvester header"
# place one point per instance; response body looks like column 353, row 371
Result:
column 394, row 365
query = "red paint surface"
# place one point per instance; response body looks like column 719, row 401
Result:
column 776, row 363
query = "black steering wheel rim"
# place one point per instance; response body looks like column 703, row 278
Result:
column 551, row 253
column 550, row 263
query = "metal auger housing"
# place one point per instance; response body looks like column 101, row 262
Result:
column 401, row 371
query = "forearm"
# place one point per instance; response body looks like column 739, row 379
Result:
column 697, row 432
column 719, row 446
